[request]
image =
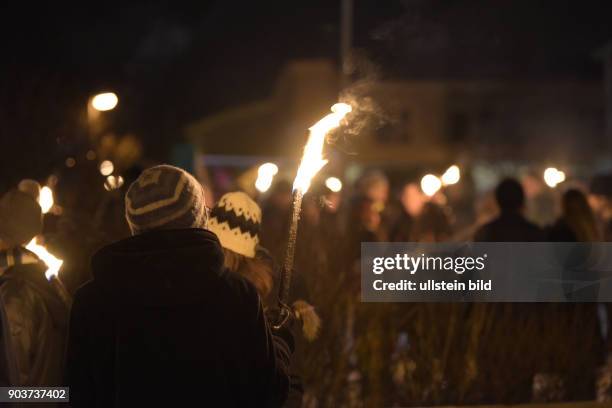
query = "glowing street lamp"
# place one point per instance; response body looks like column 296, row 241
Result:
column 105, row 101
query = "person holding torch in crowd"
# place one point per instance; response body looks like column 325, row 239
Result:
column 33, row 314
column 236, row 220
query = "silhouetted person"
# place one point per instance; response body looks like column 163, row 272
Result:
column 433, row 224
column 163, row 322
column 412, row 200
column 510, row 225
column 577, row 222
column 600, row 200
column 374, row 186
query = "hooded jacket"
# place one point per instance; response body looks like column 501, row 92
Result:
column 34, row 322
column 163, row 323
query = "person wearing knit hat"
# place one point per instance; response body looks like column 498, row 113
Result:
column 30, row 187
column 33, row 313
column 163, row 308
column 236, row 220
column 165, row 197
column 20, row 218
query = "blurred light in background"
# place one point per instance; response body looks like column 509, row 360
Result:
column 430, row 184
column 334, row 184
column 53, row 264
column 104, row 101
column 452, row 175
column 45, row 199
column 70, row 162
column 107, row 167
column 265, row 176
column 91, row 155
column 553, row 176
column 113, row 183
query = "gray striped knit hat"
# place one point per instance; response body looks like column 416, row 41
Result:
column 165, row 197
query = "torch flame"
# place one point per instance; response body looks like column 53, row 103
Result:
column 312, row 160
column 53, row 264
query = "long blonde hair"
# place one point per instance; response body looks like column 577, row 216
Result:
column 255, row 270
column 579, row 217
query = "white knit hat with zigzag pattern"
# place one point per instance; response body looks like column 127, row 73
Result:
column 235, row 219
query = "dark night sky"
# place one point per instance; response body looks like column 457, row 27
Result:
column 172, row 62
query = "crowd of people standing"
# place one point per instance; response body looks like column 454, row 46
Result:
column 189, row 302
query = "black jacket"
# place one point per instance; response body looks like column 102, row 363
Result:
column 163, row 323
column 509, row 227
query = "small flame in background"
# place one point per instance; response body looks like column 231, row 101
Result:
column 430, row 185
column 45, row 199
column 334, row 184
column 452, row 175
column 312, row 160
column 553, row 176
column 53, row 264
column 265, row 176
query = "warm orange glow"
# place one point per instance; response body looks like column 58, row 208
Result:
column 312, row 160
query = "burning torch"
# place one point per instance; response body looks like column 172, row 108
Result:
column 312, row 162
column 46, row 202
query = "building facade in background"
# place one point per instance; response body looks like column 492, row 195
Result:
column 418, row 123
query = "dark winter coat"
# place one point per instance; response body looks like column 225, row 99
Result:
column 34, row 323
column 561, row 232
column 163, row 323
column 510, row 227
